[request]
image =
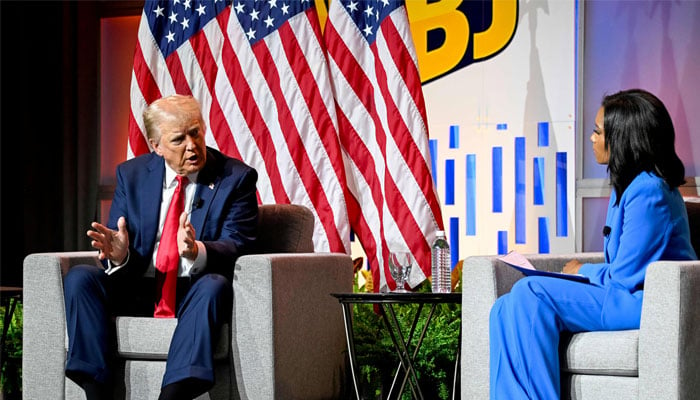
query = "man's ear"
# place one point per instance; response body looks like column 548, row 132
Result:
column 155, row 146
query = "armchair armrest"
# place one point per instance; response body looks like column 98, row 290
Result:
column 44, row 326
column 484, row 279
column 668, row 337
column 286, row 327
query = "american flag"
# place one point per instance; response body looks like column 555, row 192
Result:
column 383, row 133
column 266, row 85
column 259, row 70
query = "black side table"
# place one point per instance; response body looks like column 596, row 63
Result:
column 386, row 302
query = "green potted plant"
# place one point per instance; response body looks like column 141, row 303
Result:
column 11, row 374
column 376, row 359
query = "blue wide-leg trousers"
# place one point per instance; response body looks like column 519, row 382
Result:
column 524, row 332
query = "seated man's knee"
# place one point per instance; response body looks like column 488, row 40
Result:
column 214, row 286
column 81, row 276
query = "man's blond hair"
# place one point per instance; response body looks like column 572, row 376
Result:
column 177, row 108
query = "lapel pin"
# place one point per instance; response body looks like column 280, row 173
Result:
column 211, row 186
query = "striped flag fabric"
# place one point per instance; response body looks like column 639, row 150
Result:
column 383, row 132
column 342, row 131
column 259, row 70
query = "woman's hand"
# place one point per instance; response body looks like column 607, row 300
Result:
column 572, row 267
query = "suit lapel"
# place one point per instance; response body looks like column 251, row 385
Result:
column 152, row 192
column 207, row 184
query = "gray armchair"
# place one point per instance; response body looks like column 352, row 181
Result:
column 285, row 341
column 661, row 360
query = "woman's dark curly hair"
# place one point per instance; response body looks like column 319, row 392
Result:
column 639, row 136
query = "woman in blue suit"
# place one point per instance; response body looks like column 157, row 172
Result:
column 646, row 221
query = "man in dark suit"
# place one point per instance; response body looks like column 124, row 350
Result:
column 217, row 225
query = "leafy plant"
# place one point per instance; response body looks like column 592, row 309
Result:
column 11, row 377
column 435, row 361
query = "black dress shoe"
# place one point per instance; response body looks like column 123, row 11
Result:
column 186, row 389
column 93, row 390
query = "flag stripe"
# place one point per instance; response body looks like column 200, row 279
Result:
column 314, row 99
column 147, row 84
column 407, row 225
column 219, row 129
column 288, row 118
column 380, row 105
column 333, row 120
column 292, row 137
column 360, row 83
column 253, row 118
column 137, row 141
column 402, row 57
column 177, row 74
column 407, row 145
column 148, row 90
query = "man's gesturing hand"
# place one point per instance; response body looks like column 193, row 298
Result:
column 112, row 245
column 185, row 238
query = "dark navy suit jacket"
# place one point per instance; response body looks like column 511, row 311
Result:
column 224, row 211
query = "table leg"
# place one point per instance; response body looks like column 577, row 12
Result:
column 347, row 316
column 401, row 352
column 457, row 374
column 422, row 334
column 406, row 359
column 414, row 323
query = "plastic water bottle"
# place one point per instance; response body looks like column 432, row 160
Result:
column 442, row 280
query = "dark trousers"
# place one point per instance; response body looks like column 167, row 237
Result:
column 93, row 298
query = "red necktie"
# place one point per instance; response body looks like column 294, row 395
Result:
column 168, row 257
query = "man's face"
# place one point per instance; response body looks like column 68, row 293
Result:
column 182, row 145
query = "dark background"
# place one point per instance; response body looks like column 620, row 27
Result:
column 49, row 125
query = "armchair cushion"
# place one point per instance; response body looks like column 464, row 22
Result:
column 284, row 228
column 133, row 344
column 601, row 353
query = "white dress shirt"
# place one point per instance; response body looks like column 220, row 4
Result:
column 186, row 266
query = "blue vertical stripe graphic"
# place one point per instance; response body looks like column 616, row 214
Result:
column 502, row 242
column 543, row 232
column 520, row 190
column 471, row 195
column 450, row 182
column 454, row 136
column 497, row 179
column 454, row 241
column 543, row 134
column 433, row 145
column 562, row 205
column 538, row 181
